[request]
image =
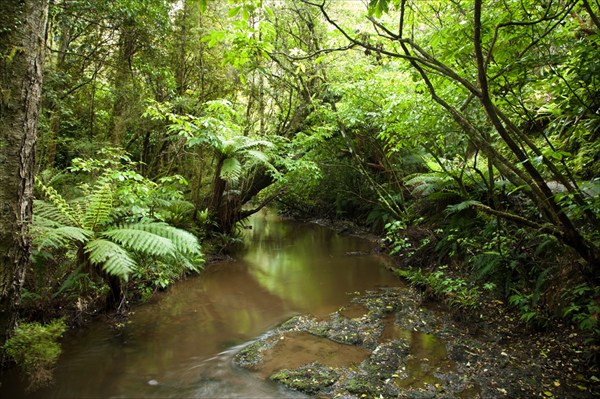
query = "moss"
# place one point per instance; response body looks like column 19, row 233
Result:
column 362, row 385
column 310, row 379
column 251, row 356
column 35, row 349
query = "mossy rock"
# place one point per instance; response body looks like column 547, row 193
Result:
column 387, row 358
column 310, row 379
column 251, row 356
column 373, row 388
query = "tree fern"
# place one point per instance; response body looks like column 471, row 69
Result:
column 189, row 262
column 158, row 239
column 185, row 242
column 245, row 144
column 88, row 224
column 261, row 158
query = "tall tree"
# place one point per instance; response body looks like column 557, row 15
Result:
column 22, row 34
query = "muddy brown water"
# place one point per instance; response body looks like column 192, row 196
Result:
column 181, row 343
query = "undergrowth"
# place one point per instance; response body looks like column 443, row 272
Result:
column 35, row 349
column 456, row 292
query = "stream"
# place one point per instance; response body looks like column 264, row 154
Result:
column 181, row 343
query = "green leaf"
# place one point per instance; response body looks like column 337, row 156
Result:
column 378, row 7
column 203, row 5
column 269, row 11
column 234, row 11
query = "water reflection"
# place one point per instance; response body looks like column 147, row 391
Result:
column 311, row 269
column 181, row 343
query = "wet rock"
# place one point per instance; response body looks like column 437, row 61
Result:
column 407, row 350
column 387, row 358
column 366, row 385
column 368, row 329
column 311, row 379
column 251, row 356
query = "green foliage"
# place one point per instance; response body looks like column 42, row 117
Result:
column 35, row 349
column 396, row 240
column 582, row 307
column 393, row 133
column 528, row 307
column 455, row 291
column 118, row 223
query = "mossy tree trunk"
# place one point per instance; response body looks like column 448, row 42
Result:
column 22, row 37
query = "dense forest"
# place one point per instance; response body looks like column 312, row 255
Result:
column 465, row 133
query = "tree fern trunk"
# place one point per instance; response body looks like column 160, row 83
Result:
column 218, row 188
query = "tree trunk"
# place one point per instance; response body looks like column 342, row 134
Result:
column 122, row 84
column 22, row 36
column 215, row 200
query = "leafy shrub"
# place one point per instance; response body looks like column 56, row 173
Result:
column 583, row 309
column 528, row 307
column 35, row 349
column 455, row 291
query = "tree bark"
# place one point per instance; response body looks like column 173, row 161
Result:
column 22, row 38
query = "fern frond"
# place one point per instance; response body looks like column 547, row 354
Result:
column 251, row 145
column 183, row 241
column 65, row 211
column 231, row 169
column 193, row 263
column 46, row 214
column 486, row 264
column 432, row 177
column 429, row 183
column 452, row 209
column 257, row 156
column 99, row 207
column 113, row 258
column 57, row 237
column 141, row 238
column 179, row 207
column 52, row 177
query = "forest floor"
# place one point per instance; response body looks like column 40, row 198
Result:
column 396, row 343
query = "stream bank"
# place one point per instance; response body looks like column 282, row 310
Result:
column 489, row 353
column 398, row 348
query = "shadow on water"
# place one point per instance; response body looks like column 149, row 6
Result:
column 181, row 343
